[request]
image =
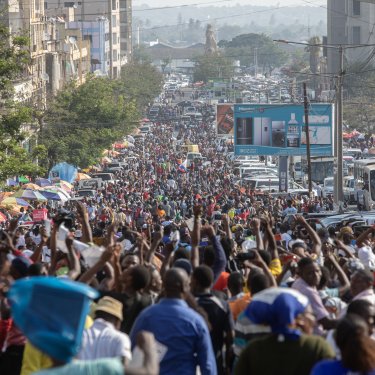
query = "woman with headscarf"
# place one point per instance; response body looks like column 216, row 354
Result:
column 290, row 348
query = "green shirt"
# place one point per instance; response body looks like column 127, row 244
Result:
column 268, row 356
column 107, row 366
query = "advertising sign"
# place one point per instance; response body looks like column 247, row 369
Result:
column 40, row 215
column 279, row 129
column 224, row 120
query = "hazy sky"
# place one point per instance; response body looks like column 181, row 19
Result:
column 159, row 3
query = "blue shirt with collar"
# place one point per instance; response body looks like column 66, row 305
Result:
column 182, row 332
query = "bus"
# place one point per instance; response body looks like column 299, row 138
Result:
column 364, row 175
column 323, row 167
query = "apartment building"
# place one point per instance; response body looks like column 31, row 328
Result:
column 94, row 10
column 27, row 17
column 126, row 29
column 350, row 22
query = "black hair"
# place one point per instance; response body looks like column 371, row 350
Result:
column 181, row 253
column 35, row 269
column 359, row 307
column 140, row 277
column 365, row 275
column 203, row 276
column 266, row 256
column 235, row 282
column 305, row 262
column 257, row 281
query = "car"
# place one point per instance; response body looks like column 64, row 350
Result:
column 145, row 129
column 105, row 176
column 87, row 193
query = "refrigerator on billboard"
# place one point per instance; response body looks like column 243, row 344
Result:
column 244, row 132
column 262, row 131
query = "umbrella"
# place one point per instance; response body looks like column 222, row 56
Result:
column 56, row 189
column 145, row 120
column 31, row 186
column 64, row 185
column 119, row 145
column 54, row 195
column 14, row 201
column 82, row 176
column 23, row 179
column 43, row 182
column 29, row 194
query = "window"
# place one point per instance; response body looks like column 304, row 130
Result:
column 114, row 55
column 106, row 37
column 356, row 8
column 114, row 38
column 114, row 4
column 69, row 4
column 88, row 37
column 356, row 35
column 114, row 23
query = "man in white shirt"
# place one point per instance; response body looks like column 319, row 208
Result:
column 103, row 339
column 361, row 286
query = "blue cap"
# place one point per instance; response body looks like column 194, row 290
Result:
column 51, row 313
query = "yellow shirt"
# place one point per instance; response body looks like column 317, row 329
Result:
column 275, row 267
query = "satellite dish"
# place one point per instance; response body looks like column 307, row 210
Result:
column 45, row 77
column 75, row 6
column 72, row 40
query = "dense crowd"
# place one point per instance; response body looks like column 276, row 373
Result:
column 187, row 271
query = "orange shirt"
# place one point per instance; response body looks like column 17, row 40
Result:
column 239, row 305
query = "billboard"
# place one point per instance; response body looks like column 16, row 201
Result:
column 224, row 120
column 278, row 129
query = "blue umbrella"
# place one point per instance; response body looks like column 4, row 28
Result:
column 43, row 182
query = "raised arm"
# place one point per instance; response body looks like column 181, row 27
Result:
column 317, row 243
column 196, row 236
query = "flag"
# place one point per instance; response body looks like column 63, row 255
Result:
column 182, row 169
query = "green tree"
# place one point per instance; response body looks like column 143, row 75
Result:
column 140, row 82
column 83, row 121
column 243, row 47
column 14, row 159
column 215, row 66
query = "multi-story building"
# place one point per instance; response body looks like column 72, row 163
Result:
column 27, row 18
column 97, row 32
column 350, row 22
column 126, row 29
column 94, row 10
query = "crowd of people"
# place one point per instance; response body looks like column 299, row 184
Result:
column 180, row 269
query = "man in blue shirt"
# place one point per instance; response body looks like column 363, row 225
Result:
column 182, row 336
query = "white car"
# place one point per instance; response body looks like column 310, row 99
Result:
column 327, row 187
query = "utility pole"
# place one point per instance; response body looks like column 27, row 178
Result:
column 340, row 100
column 308, row 155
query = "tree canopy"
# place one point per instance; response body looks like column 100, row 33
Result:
column 246, row 47
column 14, row 159
column 214, row 66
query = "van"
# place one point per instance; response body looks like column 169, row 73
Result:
column 262, row 183
column 106, row 177
column 190, row 157
column 92, row 183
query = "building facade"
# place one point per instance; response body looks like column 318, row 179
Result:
column 350, row 22
column 126, row 29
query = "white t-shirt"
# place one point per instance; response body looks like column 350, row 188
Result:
column 103, row 340
column 367, row 257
